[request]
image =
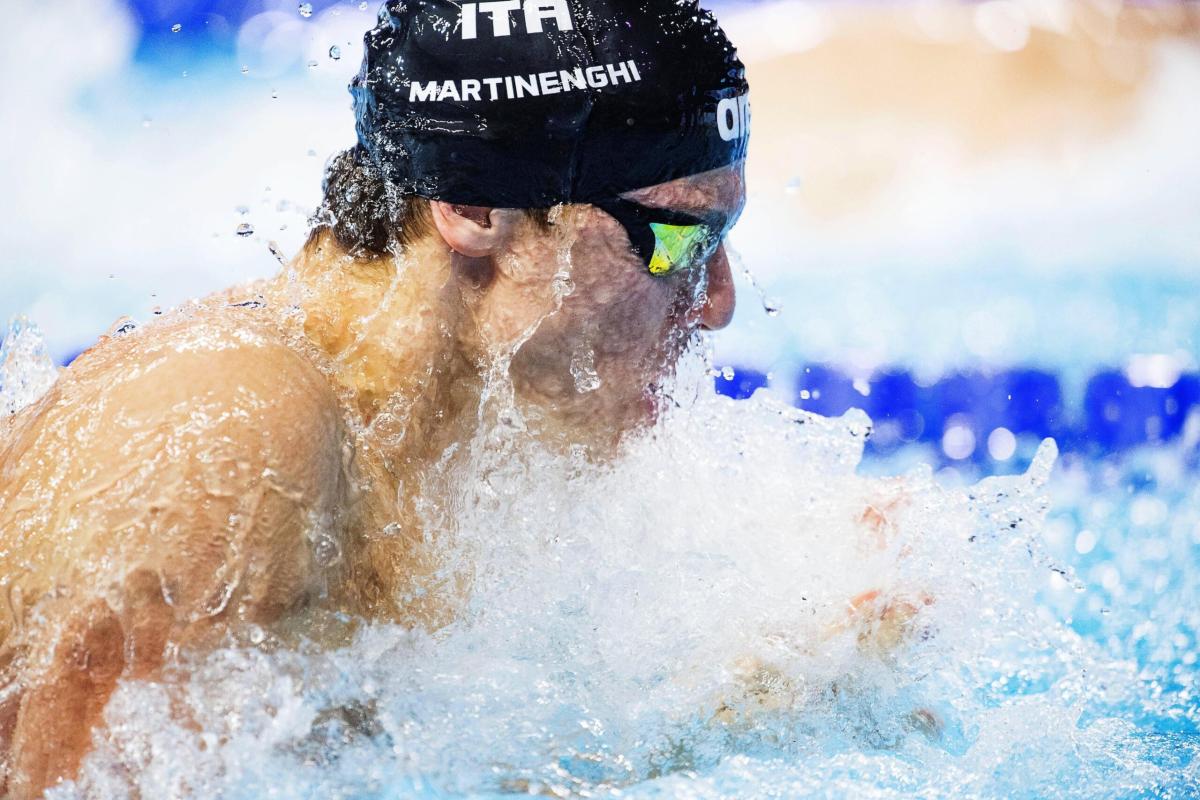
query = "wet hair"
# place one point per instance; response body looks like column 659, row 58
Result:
column 368, row 215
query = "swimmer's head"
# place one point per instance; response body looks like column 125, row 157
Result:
column 579, row 163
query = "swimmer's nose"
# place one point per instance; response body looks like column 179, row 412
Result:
column 718, row 308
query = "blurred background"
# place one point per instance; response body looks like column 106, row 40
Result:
column 980, row 222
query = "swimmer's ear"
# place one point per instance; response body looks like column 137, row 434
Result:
column 475, row 231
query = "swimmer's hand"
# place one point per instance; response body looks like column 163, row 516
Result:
column 880, row 622
column 761, row 688
column 883, row 621
column 882, row 510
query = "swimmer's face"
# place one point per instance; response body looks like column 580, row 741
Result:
column 593, row 333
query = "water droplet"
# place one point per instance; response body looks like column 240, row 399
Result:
column 326, row 550
column 243, row 210
column 122, row 326
column 335, row 52
column 563, row 285
column 772, row 305
column 792, row 187
column 256, row 634
column 391, row 529
column 146, row 121
column 312, row 64
column 274, row 94
column 245, row 69
column 312, row 153
column 184, row 73
column 511, row 418
column 275, row 251
column 306, row 10
column 362, row 6
column 727, row 373
column 583, row 370
column 176, row 28
column 245, row 229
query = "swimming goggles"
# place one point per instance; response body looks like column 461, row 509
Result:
column 666, row 241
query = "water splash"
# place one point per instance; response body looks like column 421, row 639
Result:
column 583, row 371
column 26, row 371
column 677, row 622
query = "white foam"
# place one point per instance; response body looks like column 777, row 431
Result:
column 612, row 610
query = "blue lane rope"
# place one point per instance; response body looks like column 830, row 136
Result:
column 1112, row 415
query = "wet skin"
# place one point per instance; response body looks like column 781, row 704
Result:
column 242, row 464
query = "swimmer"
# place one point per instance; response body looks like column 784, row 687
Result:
column 531, row 183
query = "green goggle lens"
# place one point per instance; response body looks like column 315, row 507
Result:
column 676, row 246
column 667, row 241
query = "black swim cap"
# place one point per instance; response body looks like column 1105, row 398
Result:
column 529, row 103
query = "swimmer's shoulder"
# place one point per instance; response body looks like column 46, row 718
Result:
column 226, row 371
column 151, row 441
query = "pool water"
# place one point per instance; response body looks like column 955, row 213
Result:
column 678, row 624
